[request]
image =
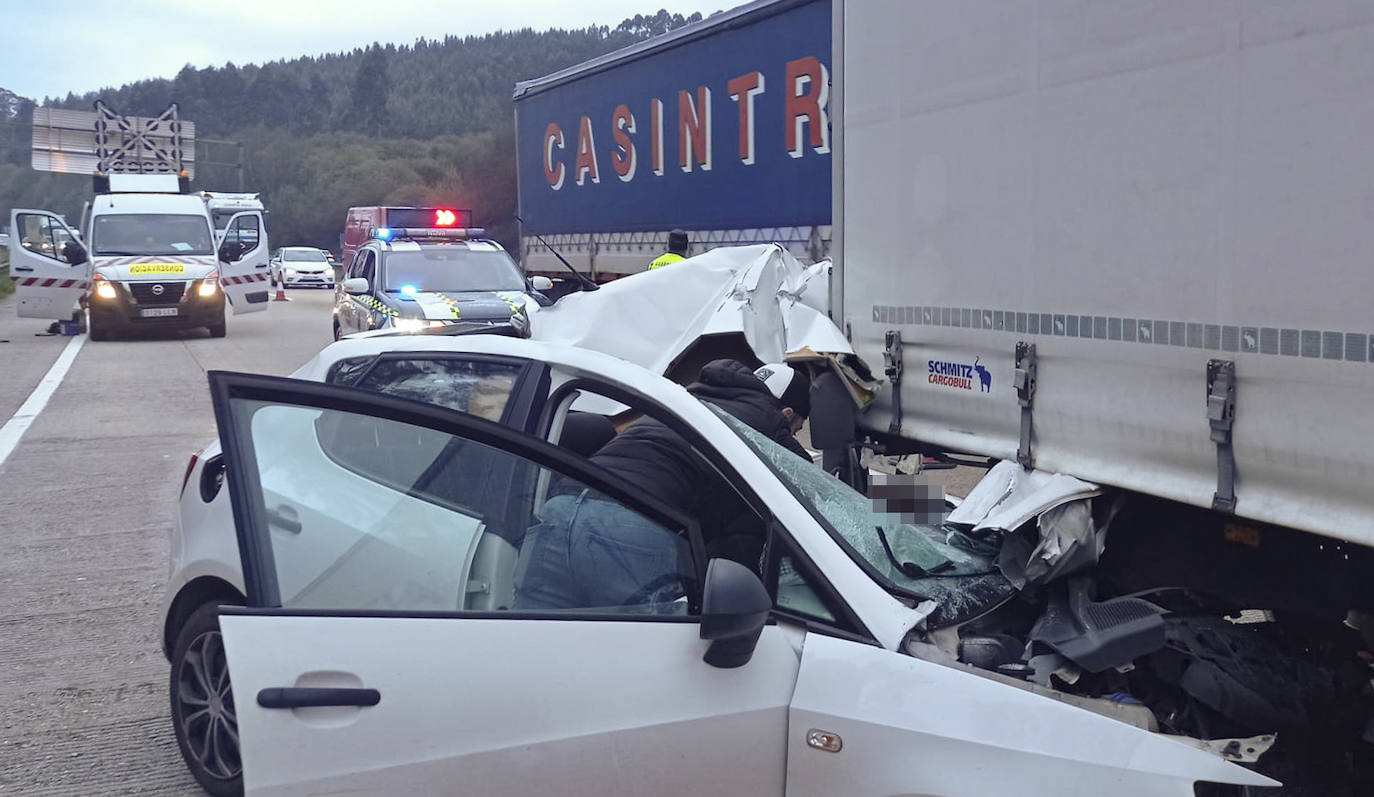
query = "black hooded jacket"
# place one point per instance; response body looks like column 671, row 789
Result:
column 657, row 460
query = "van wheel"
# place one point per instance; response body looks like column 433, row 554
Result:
column 218, row 330
column 93, row 330
column 202, row 701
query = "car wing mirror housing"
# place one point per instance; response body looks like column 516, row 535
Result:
column 734, row 609
column 355, row 285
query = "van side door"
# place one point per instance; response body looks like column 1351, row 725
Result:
column 49, row 265
column 243, row 262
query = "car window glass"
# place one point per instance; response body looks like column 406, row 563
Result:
column 731, row 528
column 38, row 234
column 796, row 594
column 246, row 231
column 368, row 270
column 480, row 387
column 441, row 522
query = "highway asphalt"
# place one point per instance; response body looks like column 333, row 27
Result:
column 87, row 499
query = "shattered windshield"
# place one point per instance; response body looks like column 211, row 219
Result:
column 934, row 561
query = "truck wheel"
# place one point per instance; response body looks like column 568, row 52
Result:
column 202, row 703
column 218, row 330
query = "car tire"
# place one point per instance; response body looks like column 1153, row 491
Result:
column 218, row 330
column 202, row 705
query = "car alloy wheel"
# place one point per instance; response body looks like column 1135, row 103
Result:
column 203, row 712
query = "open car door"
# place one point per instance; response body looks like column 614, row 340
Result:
column 49, row 265
column 361, row 664
column 244, row 271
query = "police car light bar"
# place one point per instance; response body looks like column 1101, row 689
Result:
column 411, row 233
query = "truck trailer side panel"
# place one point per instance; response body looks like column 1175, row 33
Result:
column 720, row 128
column 1136, row 190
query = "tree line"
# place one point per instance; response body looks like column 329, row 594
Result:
column 425, row 123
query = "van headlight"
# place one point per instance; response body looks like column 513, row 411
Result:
column 209, row 285
column 104, row 289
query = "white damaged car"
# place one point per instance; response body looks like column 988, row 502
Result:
column 355, row 571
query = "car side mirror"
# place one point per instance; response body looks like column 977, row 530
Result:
column 355, row 285
column 74, row 253
column 541, row 283
column 734, row 609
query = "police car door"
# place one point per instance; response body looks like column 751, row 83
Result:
column 362, row 673
column 244, row 273
column 362, row 307
column 47, row 283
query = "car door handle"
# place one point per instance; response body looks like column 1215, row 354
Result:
column 21, row 268
column 284, row 518
column 311, row 697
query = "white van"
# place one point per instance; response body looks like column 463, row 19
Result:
column 147, row 255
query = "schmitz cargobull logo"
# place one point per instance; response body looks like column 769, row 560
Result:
column 959, row 375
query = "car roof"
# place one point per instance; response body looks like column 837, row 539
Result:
column 572, row 358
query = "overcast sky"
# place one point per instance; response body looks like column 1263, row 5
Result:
column 52, row 47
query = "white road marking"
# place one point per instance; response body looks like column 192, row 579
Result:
column 23, row 417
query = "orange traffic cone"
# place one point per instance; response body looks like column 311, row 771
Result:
column 281, row 291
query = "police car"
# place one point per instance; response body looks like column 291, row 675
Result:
column 435, row 279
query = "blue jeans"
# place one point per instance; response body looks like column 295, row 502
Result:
column 589, row 552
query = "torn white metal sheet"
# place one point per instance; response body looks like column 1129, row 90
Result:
column 651, row 318
column 1008, row 496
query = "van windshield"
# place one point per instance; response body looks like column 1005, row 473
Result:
column 151, row 234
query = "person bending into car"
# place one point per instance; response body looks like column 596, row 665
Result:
column 589, row 551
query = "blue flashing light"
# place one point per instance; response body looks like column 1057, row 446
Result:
column 409, row 290
column 385, row 233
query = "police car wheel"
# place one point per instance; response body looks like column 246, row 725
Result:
column 202, row 703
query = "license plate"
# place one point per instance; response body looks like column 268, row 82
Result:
column 158, row 312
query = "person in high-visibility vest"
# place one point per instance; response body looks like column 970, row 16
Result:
column 677, row 250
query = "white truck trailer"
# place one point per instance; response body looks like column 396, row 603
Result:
column 1128, row 242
